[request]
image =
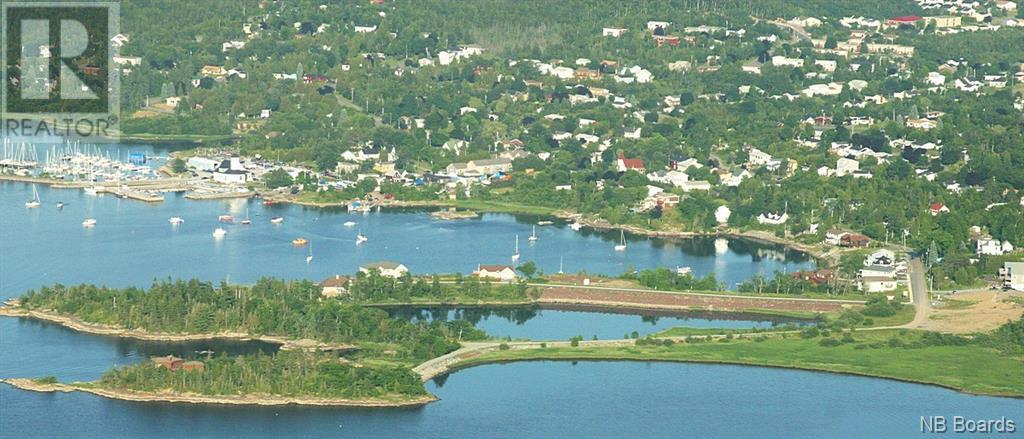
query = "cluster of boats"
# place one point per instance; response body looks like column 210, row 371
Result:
column 35, row 202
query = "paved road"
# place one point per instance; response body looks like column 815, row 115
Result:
column 689, row 293
column 918, row 292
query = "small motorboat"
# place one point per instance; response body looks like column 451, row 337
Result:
column 60, row 204
column 176, row 220
column 683, row 271
column 545, row 223
column 300, row 241
column 575, row 226
column 225, row 218
column 89, row 222
column 91, row 191
column 277, row 220
column 219, row 233
column 349, row 224
column 361, row 238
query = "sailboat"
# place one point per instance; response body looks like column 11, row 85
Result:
column 310, row 257
column 247, row 221
column 515, row 256
column 34, row 202
column 361, row 238
column 561, row 259
column 533, row 237
column 622, row 244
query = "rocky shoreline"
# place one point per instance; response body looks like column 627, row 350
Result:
column 11, row 309
column 190, row 398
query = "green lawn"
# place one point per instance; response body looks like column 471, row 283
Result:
column 970, row 368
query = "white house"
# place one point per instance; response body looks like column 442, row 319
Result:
column 845, row 166
column 781, row 61
column 722, row 214
column 502, row 273
column 881, row 258
column 772, row 218
column 613, row 31
column 230, row 171
column 992, row 247
column 386, row 268
column 1012, row 275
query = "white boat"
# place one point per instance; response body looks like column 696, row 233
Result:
column 349, row 224
column 544, row 223
column 576, row 226
column 60, row 204
column 361, row 238
column 91, row 191
column 246, row 221
column 277, row 220
column 533, row 237
column 225, row 218
column 219, row 233
column 515, row 256
column 176, row 220
column 622, row 242
column 683, row 271
column 89, row 222
column 34, row 202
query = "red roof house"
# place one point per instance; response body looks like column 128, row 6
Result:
column 937, row 208
column 624, row 164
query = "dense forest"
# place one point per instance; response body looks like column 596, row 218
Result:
column 302, row 374
column 270, row 307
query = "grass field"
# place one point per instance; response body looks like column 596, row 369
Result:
column 970, row 368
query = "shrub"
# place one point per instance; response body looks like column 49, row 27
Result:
column 46, row 380
column 829, row 342
column 503, row 347
column 810, row 332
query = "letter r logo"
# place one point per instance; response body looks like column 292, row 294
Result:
column 57, row 58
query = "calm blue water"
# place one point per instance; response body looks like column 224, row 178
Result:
column 546, row 399
column 554, row 324
column 133, row 244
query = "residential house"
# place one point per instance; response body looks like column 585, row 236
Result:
column 937, row 208
column 988, row 246
column 772, row 218
column 335, row 286
column 922, row 124
column 845, row 166
column 854, row 240
column 662, row 40
column 835, row 236
column 385, row 268
column 169, row 362
column 501, row 273
column 679, row 66
column 613, row 31
column 782, row 61
column 213, row 71
column 622, row 164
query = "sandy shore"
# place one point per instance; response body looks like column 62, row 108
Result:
column 265, row 400
column 12, row 310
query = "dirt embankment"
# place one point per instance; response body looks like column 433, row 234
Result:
column 12, row 310
column 191, row 398
column 629, row 299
